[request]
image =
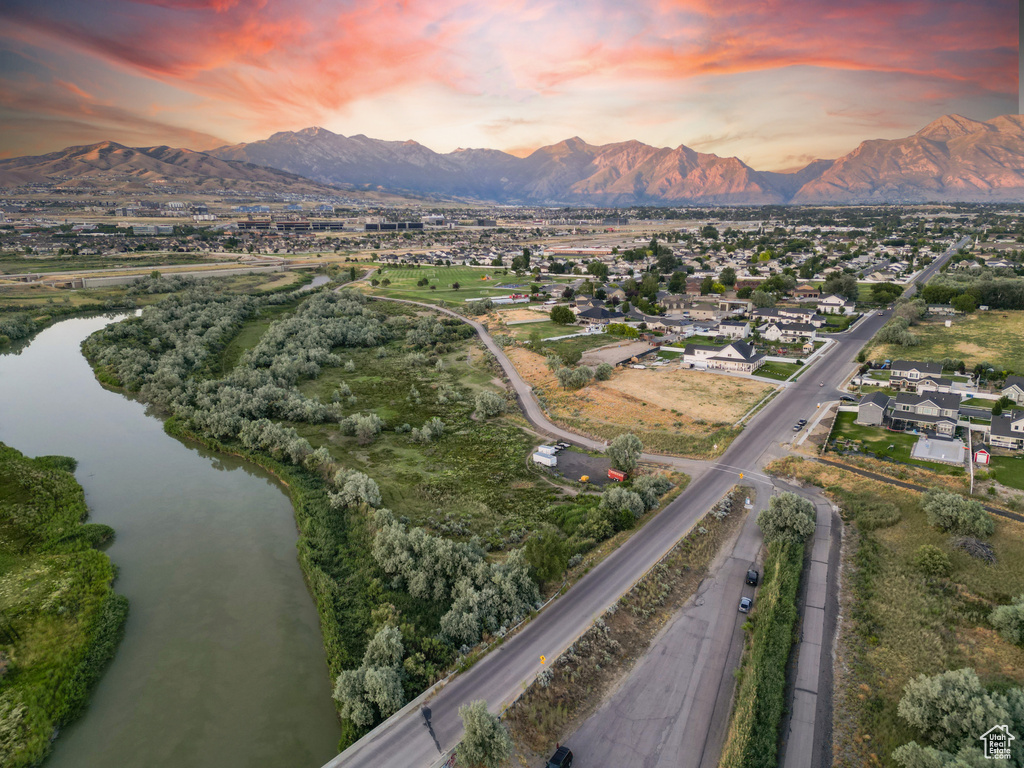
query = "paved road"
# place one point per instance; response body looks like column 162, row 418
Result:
column 672, row 710
column 406, row 740
column 807, row 725
column 420, row 737
column 935, row 266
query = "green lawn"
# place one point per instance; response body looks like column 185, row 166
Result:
column 470, row 280
column 979, row 402
column 668, row 354
column 545, row 328
column 774, row 370
column 877, row 440
column 1009, row 470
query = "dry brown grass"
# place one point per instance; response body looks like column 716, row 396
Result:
column 984, row 337
column 655, row 398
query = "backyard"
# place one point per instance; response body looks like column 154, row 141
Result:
column 1009, row 470
column 877, row 440
column 983, row 337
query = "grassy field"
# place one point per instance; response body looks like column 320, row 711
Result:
column 984, row 337
column 672, row 411
column 470, row 279
column 877, row 440
column 898, row 623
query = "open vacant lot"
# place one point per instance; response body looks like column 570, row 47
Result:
column 984, row 337
column 673, row 411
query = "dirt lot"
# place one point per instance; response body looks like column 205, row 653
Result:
column 672, row 410
column 512, row 315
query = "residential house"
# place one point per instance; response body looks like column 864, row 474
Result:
column 871, row 409
column 703, row 311
column 908, row 374
column 615, row 293
column 673, row 303
column 934, row 410
column 789, row 333
column 783, row 315
column 600, row 316
column 835, row 305
column 1008, row 430
column 733, row 329
column 737, row 356
column 806, row 291
column 1013, row 388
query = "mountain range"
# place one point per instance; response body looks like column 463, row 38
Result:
column 110, row 165
column 953, row 158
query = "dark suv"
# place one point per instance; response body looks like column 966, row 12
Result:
column 752, row 577
column 561, row 759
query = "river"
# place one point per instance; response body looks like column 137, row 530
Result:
column 222, row 663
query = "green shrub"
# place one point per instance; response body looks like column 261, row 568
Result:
column 1009, row 620
column 932, row 561
column 953, row 513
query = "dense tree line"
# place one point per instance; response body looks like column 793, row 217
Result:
column 481, row 596
column 984, row 289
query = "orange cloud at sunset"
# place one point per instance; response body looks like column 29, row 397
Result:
column 736, row 78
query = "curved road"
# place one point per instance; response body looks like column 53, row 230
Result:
column 421, row 736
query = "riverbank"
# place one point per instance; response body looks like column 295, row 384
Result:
column 60, row 620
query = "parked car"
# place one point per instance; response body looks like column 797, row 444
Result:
column 745, row 604
column 796, row 427
column 802, row 422
column 561, row 759
column 848, row 399
column 752, row 577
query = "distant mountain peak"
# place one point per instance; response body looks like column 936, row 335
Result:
column 950, row 127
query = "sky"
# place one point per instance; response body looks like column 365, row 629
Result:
column 777, row 83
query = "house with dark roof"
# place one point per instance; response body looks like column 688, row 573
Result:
column 789, row 333
column 600, row 315
column 935, row 410
column 908, row 374
column 1008, row 430
column 737, row 356
column 871, row 409
column 1013, row 388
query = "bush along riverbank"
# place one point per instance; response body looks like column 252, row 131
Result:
column 360, row 408
column 60, row 620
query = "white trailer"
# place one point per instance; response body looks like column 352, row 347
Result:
column 548, row 450
column 547, row 461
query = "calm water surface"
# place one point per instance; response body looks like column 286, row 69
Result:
column 222, row 662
